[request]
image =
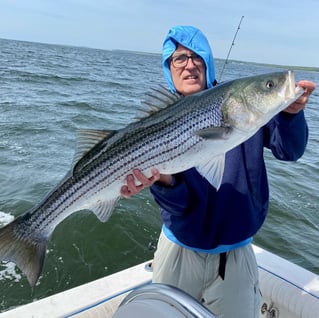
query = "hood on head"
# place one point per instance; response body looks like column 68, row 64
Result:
column 193, row 39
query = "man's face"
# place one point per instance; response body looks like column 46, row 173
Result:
column 188, row 74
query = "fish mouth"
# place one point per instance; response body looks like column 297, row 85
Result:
column 293, row 92
column 298, row 91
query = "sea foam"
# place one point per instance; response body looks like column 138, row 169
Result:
column 8, row 270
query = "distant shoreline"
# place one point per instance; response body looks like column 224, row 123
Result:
column 301, row 68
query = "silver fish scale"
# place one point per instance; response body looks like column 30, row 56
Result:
column 154, row 140
column 50, row 208
column 164, row 140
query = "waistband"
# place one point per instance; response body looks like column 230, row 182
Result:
column 217, row 250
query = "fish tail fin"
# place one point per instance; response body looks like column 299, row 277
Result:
column 26, row 253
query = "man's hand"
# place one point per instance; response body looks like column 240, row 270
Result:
column 301, row 102
column 131, row 188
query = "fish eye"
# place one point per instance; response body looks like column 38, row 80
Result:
column 270, row 84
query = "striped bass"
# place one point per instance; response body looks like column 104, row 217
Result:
column 178, row 133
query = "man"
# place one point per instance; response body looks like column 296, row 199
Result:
column 205, row 245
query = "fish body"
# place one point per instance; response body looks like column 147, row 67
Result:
column 179, row 133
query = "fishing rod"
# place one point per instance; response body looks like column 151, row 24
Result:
column 231, row 46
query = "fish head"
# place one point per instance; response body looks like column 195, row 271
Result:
column 254, row 100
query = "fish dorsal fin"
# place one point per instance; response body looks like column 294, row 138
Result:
column 213, row 170
column 156, row 99
column 87, row 139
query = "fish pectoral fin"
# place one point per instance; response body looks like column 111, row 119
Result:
column 26, row 253
column 221, row 132
column 103, row 209
column 213, row 170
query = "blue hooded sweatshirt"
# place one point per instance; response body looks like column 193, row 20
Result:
column 194, row 214
column 194, row 40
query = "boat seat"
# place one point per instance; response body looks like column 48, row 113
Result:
column 161, row 301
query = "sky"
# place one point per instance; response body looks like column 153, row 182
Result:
column 284, row 32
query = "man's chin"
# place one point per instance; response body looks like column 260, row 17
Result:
column 191, row 88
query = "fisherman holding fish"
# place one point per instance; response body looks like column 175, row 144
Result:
column 200, row 149
column 205, row 244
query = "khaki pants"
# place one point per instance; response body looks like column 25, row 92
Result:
column 196, row 273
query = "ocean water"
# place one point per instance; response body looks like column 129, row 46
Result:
column 47, row 93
